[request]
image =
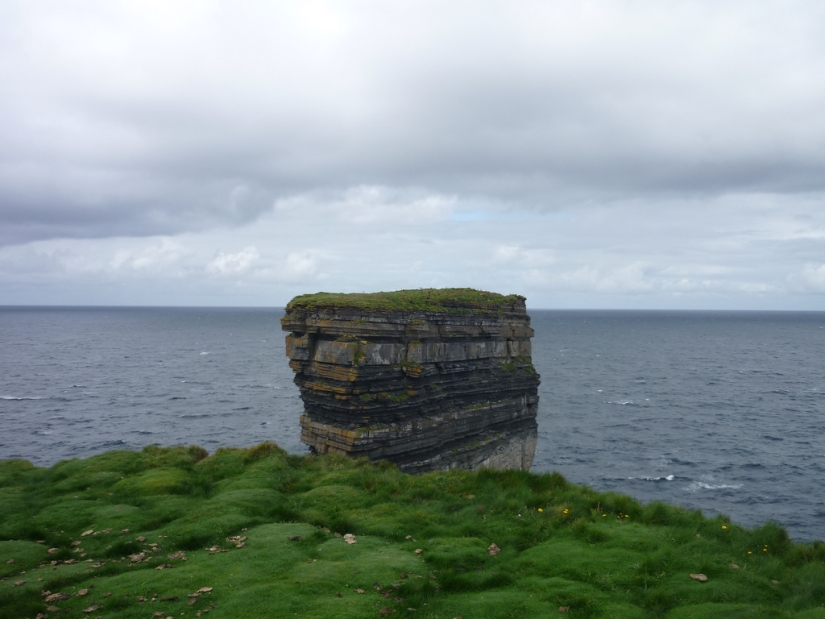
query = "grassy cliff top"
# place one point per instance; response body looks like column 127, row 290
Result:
column 259, row 533
column 422, row 300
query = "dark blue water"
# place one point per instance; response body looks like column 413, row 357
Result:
column 720, row 411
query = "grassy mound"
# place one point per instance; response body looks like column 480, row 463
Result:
column 255, row 532
column 448, row 300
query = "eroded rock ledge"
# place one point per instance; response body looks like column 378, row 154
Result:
column 429, row 379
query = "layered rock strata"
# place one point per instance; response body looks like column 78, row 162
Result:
column 428, row 379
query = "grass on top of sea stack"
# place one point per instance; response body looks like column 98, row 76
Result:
column 173, row 532
column 448, row 300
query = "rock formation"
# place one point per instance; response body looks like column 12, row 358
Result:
column 428, row 379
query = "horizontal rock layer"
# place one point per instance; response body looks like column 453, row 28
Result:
column 425, row 389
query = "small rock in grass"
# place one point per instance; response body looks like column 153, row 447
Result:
column 385, row 612
column 91, row 609
column 417, row 551
column 75, row 543
column 349, row 538
column 52, row 609
column 337, row 534
column 19, row 583
column 170, row 598
column 87, row 533
column 733, row 566
column 83, row 592
column 295, row 538
column 776, row 582
column 140, row 539
column 53, row 551
column 563, row 609
column 699, row 577
column 108, row 594
column 359, row 591
column 157, row 615
column 10, row 561
column 493, row 550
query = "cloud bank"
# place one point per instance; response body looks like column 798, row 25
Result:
column 598, row 154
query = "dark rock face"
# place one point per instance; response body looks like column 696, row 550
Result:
column 428, row 389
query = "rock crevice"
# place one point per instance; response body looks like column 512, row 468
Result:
column 429, row 379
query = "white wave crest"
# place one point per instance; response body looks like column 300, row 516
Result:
column 700, row 485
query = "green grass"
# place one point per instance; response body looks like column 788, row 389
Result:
column 600, row 554
column 450, row 300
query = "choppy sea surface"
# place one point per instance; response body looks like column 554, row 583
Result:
column 721, row 411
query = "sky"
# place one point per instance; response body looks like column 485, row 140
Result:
column 628, row 154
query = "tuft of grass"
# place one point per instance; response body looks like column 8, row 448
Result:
column 265, row 530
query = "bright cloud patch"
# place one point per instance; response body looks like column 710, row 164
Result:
column 232, row 264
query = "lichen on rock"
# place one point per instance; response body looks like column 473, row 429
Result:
column 428, row 379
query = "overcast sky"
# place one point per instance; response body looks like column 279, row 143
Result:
column 624, row 154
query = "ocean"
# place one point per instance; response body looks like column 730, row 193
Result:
column 718, row 411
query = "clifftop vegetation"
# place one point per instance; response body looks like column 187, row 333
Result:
column 258, row 533
column 422, row 300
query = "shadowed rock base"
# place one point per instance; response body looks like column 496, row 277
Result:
column 427, row 390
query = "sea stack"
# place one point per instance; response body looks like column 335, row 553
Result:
column 428, row 379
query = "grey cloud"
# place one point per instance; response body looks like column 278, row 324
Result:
column 124, row 120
